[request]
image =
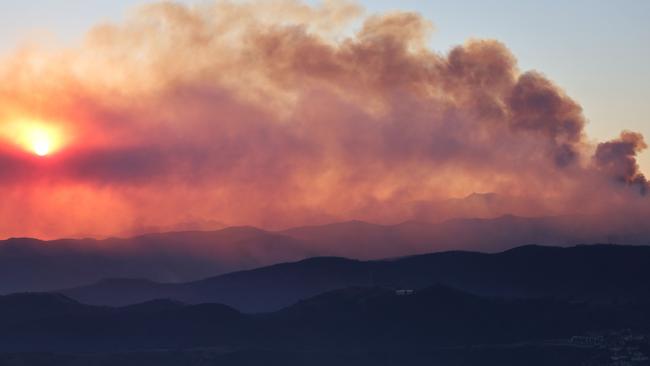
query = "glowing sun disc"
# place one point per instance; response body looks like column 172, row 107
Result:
column 41, row 141
column 41, row 147
column 34, row 136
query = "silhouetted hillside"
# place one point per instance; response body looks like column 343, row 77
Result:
column 35, row 265
column 187, row 256
column 348, row 321
column 51, row 322
column 442, row 316
column 18, row 308
column 598, row 273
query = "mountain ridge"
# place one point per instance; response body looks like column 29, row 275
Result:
column 180, row 257
column 602, row 272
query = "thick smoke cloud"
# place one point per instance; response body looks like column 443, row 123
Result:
column 617, row 159
column 281, row 114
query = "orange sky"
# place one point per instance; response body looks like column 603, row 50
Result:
column 279, row 116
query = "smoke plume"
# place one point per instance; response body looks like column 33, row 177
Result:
column 281, row 114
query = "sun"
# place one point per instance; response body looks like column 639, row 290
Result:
column 34, row 136
column 41, row 144
column 40, row 140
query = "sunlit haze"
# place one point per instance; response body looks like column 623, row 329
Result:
column 118, row 118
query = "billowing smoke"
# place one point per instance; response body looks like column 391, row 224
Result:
column 281, row 114
column 617, row 159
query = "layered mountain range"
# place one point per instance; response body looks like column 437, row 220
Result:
column 176, row 257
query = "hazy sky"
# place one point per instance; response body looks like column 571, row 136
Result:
column 276, row 114
column 596, row 50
